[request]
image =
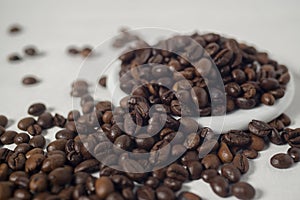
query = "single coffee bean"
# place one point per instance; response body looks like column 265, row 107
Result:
column 195, row 169
column 36, row 109
column 243, row 190
column 13, row 29
column 16, row 175
column 21, row 138
column 241, row 162
column 257, row 143
column 38, row 183
column 250, row 153
column 122, row 181
column 192, row 141
column 86, row 51
column 104, row 187
column 259, row 128
column 269, row 84
column 91, row 165
column 177, row 172
column 208, row 174
column 29, row 80
column 145, row 193
column 285, row 119
column 56, row 178
column 294, row 152
column 23, row 148
column 102, row 81
column 2, row 130
column 244, row 103
column 34, row 163
column 6, row 189
column 233, row 89
column 224, row 153
column 45, row 120
column 34, row 129
column 220, row 186
column 268, row 99
column 4, row 172
column 152, row 182
column 16, row 161
column 230, row 172
column 34, row 152
column 59, row 120
column 237, row 138
column 173, row 184
column 211, row 161
column 14, row 57
column 73, row 51
column 281, row 161
column 188, row 196
column 3, row 121
column 8, row 137
column 24, row 123
column 165, row 193
column 37, row 141
column 52, row 162
column 31, row 51
column 65, row 134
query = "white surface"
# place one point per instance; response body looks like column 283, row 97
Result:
column 53, row 25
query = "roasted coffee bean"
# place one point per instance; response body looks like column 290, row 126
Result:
column 294, row 152
column 6, row 189
column 34, row 152
column 144, row 141
column 145, row 193
column 244, row 103
column 177, row 172
column 281, row 161
column 53, row 162
column 192, row 141
column 29, row 80
column 36, row 109
column 65, row 134
column 37, row 141
column 165, row 193
column 268, row 99
column 73, row 50
column 173, row 184
column 257, row 143
column 59, row 120
column 224, row 153
column 188, row 196
column 104, row 187
column 123, row 142
column 277, row 124
column 259, row 128
column 13, row 29
column 211, row 161
column 91, row 166
column 56, row 178
column 45, row 120
column 275, row 137
column 2, row 130
column 34, row 129
column 208, row 174
column 249, row 90
column 14, row 57
column 16, row 161
column 8, row 137
column 269, row 84
column 86, row 51
column 285, row 119
column 31, row 51
column 17, row 174
column 243, row 190
column 102, row 81
column 200, row 96
column 220, row 186
column 114, row 196
column 239, row 76
column 23, row 148
column 24, row 123
column 241, row 162
column 34, row 163
column 230, row 172
column 233, row 89
column 4, row 172
column 134, row 169
column 21, row 138
column 292, row 137
column 38, row 183
column 58, row 144
column 73, row 115
column 122, row 181
column 250, row 153
column 152, row 182
column 195, row 169
column 3, row 121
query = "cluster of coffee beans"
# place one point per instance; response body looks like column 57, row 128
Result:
column 30, row 51
column 250, row 77
column 84, row 52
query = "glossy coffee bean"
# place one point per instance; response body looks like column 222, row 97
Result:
column 36, row 109
column 45, row 120
column 211, row 161
column 37, row 141
column 34, row 163
column 8, row 137
column 257, row 143
column 243, row 190
column 188, row 196
column 224, row 153
column 281, row 161
column 38, row 182
column 4, row 172
column 294, row 152
column 16, row 161
column 259, row 128
column 34, row 129
column 177, row 172
column 24, row 123
column 241, row 162
column 21, row 138
column 195, row 169
column 220, row 186
column 145, row 193
column 6, row 189
column 208, row 174
column 231, row 173
column 250, row 153
column 3, row 121
column 104, row 187
column 164, row 193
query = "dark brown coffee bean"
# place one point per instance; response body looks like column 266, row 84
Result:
column 37, row 141
column 152, row 182
column 269, row 84
column 6, row 189
column 233, row 89
column 86, row 51
column 145, row 193
column 65, row 134
column 16, row 161
column 177, row 172
column 123, row 142
column 268, row 99
column 13, row 29
column 243, row 190
column 144, row 141
column 208, row 174
column 250, row 153
column 164, row 193
column 3, row 121
column 223, row 57
column 249, row 90
column 34, row 152
column 58, row 144
column 73, row 50
column 4, row 172
column 23, row 148
column 29, row 80
column 31, row 51
column 104, row 187
column 241, row 162
column 102, row 81
column 200, row 96
column 259, row 128
column 73, row 115
column 195, row 169
column 239, row 76
column 285, row 119
column 292, row 137
column 192, row 141
column 224, row 153
column 21, row 138
column 34, row 129
column 281, row 161
column 17, row 174
column 211, row 161
column 220, row 186
column 91, row 166
column 56, row 178
column 173, row 184
column 244, row 103
column 188, row 196
column 14, row 57
column 2, row 130
column 275, row 137
column 36, row 109
column 257, row 143
column 34, row 163
column 45, row 120
column 8, row 137
column 53, row 162
column 237, row 138
column 294, row 152
column 128, row 194
column 114, row 196
column 24, row 123
column 230, row 172
column 59, row 120
column 38, row 183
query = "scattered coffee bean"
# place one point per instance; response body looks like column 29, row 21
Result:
column 73, row 51
column 13, row 29
column 24, row 123
column 220, row 186
column 281, row 161
column 242, row 190
column 37, row 141
column 14, row 57
column 29, row 80
column 102, row 81
column 231, row 173
column 36, row 109
column 86, row 51
column 34, row 129
column 31, row 51
column 45, row 120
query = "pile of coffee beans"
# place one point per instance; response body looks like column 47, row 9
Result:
column 250, row 77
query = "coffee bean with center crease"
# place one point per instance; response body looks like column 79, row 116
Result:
column 268, row 99
column 59, row 120
column 34, row 152
column 294, row 152
column 259, row 128
column 243, row 190
column 36, row 109
column 8, row 137
column 73, row 115
column 177, row 172
column 16, row 161
column 241, row 162
column 45, row 120
column 220, row 186
column 237, row 138
column 37, row 141
column 293, row 137
column 145, row 193
column 58, row 144
column 192, row 141
column 21, row 138
column 52, row 162
column 233, row 89
column 23, row 148
column 188, row 196
column 211, row 161
column 104, row 187
column 281, row 161
column 34, row 163
column 231, row 173
column 3, row 120
column 244, row 103
column 38, row 183
column 34, row 129
column 165, row 193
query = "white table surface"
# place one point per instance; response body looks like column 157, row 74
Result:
column 53, row 25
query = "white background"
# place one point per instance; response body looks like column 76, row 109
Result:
column 54, row 25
